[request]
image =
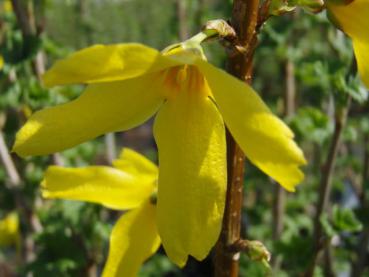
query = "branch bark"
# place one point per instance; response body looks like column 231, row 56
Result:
column 110, row 145
column 182, row 19
column 15, row 183
column 26, row 20
column 244, row 21
column 289, row 110
column 10, row 169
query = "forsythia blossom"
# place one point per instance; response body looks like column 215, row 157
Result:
column 353, row 19
column 9, row 230
column 130, row 185
column 1, row 62
column 129, row 83
column 6, row 6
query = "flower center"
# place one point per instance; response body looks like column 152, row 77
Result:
column 184, row 78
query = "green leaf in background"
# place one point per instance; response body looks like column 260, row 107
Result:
column 311, row 124
column 344, row 220
column 328, row 228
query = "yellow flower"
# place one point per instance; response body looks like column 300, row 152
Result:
column 353, row 20
column 127, row 84
column 1, row 62
column 9, row 230
column 129, row 185
column 7, row 6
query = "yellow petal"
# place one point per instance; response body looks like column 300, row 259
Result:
column 265, row 139
column 7, row 6
column 134, row 239
column 190, row 136
column 98, row 184
column 353, row 19
column 361, row 49
column 9, row 230
column 135, row 163
column 102, row 108
column 106, row 63
column 1, row 62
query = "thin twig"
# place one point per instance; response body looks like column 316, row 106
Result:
column 10, row 169
column 111, row 149
column 26, row 20
column 15, row 184
column 182, row 19
column 319, row 241
column 328, row 261
column 27, row 27
column 289, row 110
column 27, row 24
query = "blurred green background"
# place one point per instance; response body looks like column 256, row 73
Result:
column 303, row 71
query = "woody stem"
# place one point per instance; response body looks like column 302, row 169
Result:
column 244, row 21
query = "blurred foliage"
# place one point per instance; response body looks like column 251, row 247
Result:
column 74, row 236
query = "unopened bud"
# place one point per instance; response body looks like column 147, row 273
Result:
column 257, row 251
column 221, row 29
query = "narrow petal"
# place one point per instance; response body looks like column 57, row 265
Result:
column 190, row 136
column 106, row 63
column 265, row 139
column 135, row 163
column 9, row 230
column 108, row 186
column 134, row 239
column 361, row 49
column 1, row 62
column 353, row 20
column 101, row 109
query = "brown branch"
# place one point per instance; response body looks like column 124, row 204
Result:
column 226, row 260
column 319, row 241
column 278, row 211
column 27, row 24
column 279, row 193
column 182, row 19
column 244, row 21
column 264, row 13
column 15, row 184
column 25, row 21
column 328, row 261
column 110, row 147
column 289, row 110
column 10, row 169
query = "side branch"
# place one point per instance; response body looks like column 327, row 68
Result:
column 8, row 164
column 319, row 241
